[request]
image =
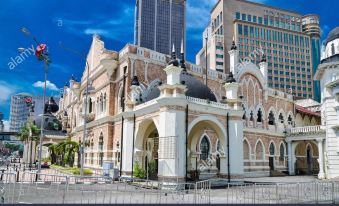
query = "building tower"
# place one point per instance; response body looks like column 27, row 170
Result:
column 311, row 26
column 19, row 111
column 288, row 39
column 159, row 24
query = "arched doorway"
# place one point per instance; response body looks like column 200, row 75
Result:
column 271, row 157
column 206, row 149
column 146, row 149
column 306, row 153
column 309, row 159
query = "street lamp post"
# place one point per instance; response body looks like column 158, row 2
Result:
column 46, row 62
column 82, row 147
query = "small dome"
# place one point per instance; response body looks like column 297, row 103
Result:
column 195, row 88
column 334, row 34
column 51, row 106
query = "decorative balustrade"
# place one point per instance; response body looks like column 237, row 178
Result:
column 212, row 74
column 205, row 102
column 197, row 69
column 309, row 129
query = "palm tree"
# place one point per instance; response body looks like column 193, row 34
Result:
column 72, row 148
column 52, row 151
column 29, row 133
column 61, row 150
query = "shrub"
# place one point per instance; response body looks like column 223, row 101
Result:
column 138, row 171
column 152, row 169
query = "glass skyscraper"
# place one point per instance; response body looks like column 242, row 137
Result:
column 159, row 24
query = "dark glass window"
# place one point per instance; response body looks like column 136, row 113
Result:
column 204, row 148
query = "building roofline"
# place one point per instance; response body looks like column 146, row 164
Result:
column 259, row 4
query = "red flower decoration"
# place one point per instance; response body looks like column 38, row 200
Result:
column 40, row 50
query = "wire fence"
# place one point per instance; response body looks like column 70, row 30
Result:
column 45, row 188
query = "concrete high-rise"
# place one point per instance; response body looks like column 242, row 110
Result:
column 19, row 111
column 289, row 40
column 160, row 24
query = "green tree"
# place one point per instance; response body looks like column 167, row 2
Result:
column 53, row 153
column 29, row 133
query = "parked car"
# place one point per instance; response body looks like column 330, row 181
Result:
column 45, row 165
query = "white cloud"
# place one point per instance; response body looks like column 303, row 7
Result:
column 6, row 91
column 49, row 85
column 198, row 13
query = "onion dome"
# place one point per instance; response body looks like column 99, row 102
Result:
column 51, row 106
column 334, row 34
column 195, row 88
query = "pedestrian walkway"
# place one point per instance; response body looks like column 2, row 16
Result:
column 285, row 179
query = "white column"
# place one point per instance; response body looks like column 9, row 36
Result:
column 321, row 174
column 236, row 147
column 290, row 158
column 172, row 146
column 127, row 147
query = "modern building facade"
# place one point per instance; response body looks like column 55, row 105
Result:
column 19, row 112
column 289, row 40
column 160, row 24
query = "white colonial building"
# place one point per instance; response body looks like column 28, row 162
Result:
column 328, row 75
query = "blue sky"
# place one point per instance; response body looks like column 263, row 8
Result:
column 74, row 21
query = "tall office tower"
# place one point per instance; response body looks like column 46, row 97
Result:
column 160, row 24
column 286, row 37
column 19, row 112
column 311, row 26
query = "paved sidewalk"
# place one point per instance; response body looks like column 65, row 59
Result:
column 286, row 179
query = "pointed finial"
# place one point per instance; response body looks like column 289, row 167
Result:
column 174, row 60
column 182, row 61
column 230, row 78
column 234, row 47
column 263, row 58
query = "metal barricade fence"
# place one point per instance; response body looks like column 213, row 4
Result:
column 42, row 188
column 203, row 192
column 7, row 188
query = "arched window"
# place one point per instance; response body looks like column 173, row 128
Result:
column 104, row 103
column 333, row 49
column 272, row 149
column 259, row 151
column 244, row 116
column 204, row 148
column 246, row 150
column 101, row 104
column 259, row 118
column 90, row 105
column 290, row 120
column 97, row 106
column 101, row 142
column 251, row 116
column 282, row 152
column 281, row 118
column 271, row 119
